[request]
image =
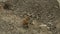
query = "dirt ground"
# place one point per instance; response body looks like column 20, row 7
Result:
column 29, row 16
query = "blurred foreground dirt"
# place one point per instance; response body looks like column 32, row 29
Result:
column 29, row 17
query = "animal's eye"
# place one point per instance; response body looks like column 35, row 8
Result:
column 6, row 6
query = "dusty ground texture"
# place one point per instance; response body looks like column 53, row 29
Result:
column 29, row 17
